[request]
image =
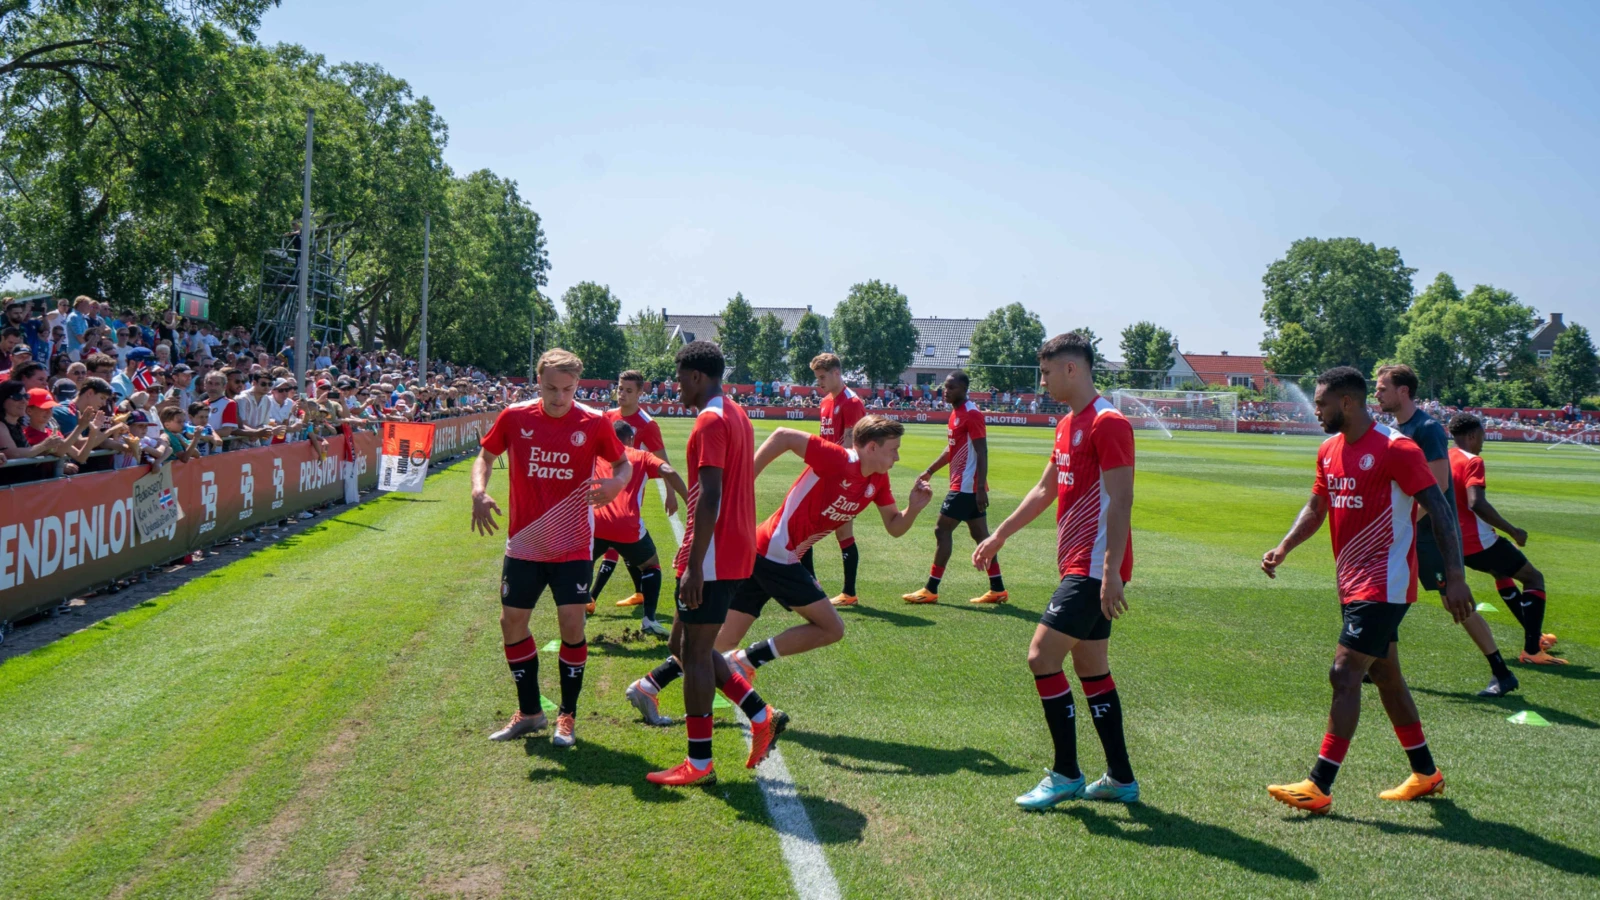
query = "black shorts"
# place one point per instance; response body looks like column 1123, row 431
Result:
column 961, row 506
column 1502, row 559
column 1370, row 626
column 1074, row 609
column 1430, row 562
column 790, row 585
column 522, row 581
column 715, row 597
column 635, row 554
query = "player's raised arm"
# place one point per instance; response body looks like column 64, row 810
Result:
column 1036, row 501
column 897, row 523
column 779, row 442
column 1305, row 525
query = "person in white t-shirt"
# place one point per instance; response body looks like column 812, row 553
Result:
column 281, row 410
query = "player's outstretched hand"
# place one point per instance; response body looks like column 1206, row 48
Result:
column 484, row 509
column 1272, row 559
column 987, row 551
column 1458, row 600
column 921, row 493
column 603, row 490
column 1112, row 602
column 690, row 588
column 672, row 503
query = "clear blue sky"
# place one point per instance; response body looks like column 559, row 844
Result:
column 1102, row 163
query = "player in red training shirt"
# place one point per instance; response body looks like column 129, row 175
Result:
column 1371, row 479
column 1486, row 551
column 1090, row 479
column 836, row 485
column 619, row 526
column 555, row 445
column 646, row 437
column 968, row 501
column 840, row 410
column 717, row 554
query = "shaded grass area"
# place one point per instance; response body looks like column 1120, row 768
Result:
column 310, row 721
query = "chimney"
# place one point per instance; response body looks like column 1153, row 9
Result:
column 808, row 307
column 1555, row 318
column 1224, row 353
column 663, row 313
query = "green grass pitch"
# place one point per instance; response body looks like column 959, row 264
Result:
column 310, row 722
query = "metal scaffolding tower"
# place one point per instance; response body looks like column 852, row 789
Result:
column 280, row 286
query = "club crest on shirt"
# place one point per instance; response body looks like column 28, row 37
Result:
column 579, row 438
column 1077, row 438
column 1366, row 461
column 872, row 491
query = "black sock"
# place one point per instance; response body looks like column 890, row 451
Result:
column 636, row 574
column 1532, row 621
column 760, row 653
column 1326, row 768
column 601, row 577
column 1100, row 693
column 666, row 673
column 810, row 562
column 650, row 587
column 1416, row 747
column 523, row 658
column 699, row 729
column 1497, row 665
column 1511, row 596
column 573, row 659
column 852, row 559
column 935, row 575
column 1061, row 717
column 996, row 583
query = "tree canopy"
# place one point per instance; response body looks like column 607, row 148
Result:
column 872, row 331
column 807, row 341
column 1005, row 349
column 1346, row 297
column 737, row 335
column 650, row 348
column 1146, row 354
column 589, row 328
column 1452, row 340
column 1571, row 373
column 769, row 358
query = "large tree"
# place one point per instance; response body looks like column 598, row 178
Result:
column 1453, row 340
column 650, row 348
column 590, row 329
column 769, row 357
column 872, row 331
column 1146, row 354
column 1571, row 371
column 1005, row 349
column 807, row 341
column 1346, row 295
column 737, row 335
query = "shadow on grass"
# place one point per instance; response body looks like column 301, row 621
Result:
column 596, row 764
column 343, row 521
column 1457, row 826
column 1511, row 704
column 1571, row 671
column 1152, row 827
column 396, row 498
column 894, row 758
column 898, row 620
column 995, row 609
column 831, row 821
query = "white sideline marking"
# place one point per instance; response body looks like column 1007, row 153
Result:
column 808, row 867
column 677, row 526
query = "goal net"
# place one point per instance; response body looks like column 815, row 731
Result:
column 1173, row 410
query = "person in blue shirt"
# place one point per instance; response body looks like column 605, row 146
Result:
column 78, row 322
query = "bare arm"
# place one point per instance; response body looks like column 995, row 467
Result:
column 897, row 523
column 980, row 477
column 1441, row 472
column 1305, row 525
column 780, row 441
column 1478, row 501
column 1447, row 534
column 674, row 481
column 706, row 510
column 604, row 490
column 1118, row 486
column 938, row 463
column 1036, row 501
column 484, row 509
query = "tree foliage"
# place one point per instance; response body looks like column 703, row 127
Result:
column 1571, row 371
column 1146, row 354
column 737, row 335
column 873, row 333
column 1453, row 341
column 1346, row 296
column 1294, row 352
column 769, row 357
column 807, row 341
column 590, row 329
column 650, row 347
column 1005, row 349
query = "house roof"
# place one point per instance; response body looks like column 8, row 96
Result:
column 704, row 328
column 1544, row 337
column 946, row 337
column 1214, row 368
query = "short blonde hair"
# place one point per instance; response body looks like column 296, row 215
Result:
column 562, row 361
column 875, row 430
column 824, row 361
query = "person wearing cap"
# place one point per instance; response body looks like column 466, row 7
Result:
column 281, row 409
column 65, row 390
column 122, row 383
column 40, row 426
column 252, row 406
column 181, row 379
column 14, row 444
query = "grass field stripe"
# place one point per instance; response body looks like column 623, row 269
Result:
column 802, row 852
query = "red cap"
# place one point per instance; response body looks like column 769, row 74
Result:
column 41, row 398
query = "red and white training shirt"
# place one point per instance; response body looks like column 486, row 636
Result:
column 722, row 438
column 1370, row 485
column 840, row 413
column 965, row 426
column 223, row 412
column 1088, row 443
column 830, row 492
column 1466, row 470
column 621, row 520
column 646, row 433
column 551, row 458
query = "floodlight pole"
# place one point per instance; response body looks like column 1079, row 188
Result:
column 422, row 345
column 302, row 322
column 533, row 345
